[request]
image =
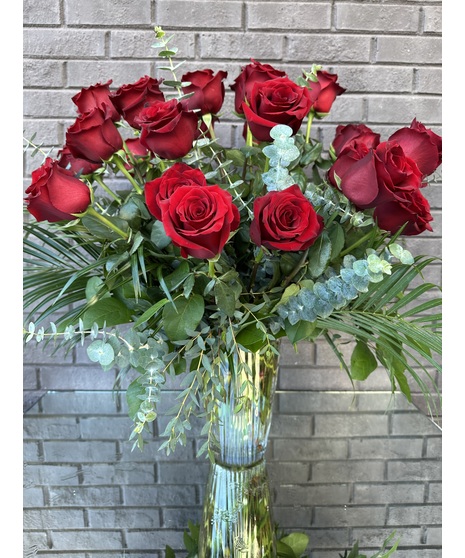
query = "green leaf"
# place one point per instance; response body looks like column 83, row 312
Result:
column 101, row 352
column 92, row 288
column 297, row 541
column 319, row 254
column 225, row 298
column 133, row 393
column 283, row 550
column 109, row 311
column 158, row 235
column 299, row 331
column 99, row 230
column 176, row 278
column 183, row 316
column 251, row 338
column 362, row 362
column 169, row 552
column 337, row 238
column 151, row 312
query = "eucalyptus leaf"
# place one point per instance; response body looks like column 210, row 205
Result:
column 109, row 311
column 182, row 317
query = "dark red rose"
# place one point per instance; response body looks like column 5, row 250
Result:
column 131, row 98
column 420, row 144
column 411, row 209
column 199, row 219
column 162, row 188
column 277, row 101
column 353, row 135
column 96, row 96
column 136, row 150
column 167, row 129
column 285, row 220
column 55, row 194
column 256, row 72
column 208, row 91
column 369, row 177
column 76, row 166
column 324, row 92
column 94, row 136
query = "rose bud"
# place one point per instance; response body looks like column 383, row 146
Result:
column 96, row 96
column 420, row 144
column 208, row 91
column 199, row 219
column 285, row 220
column 94, row 136
column 353, row 135
column 55, row 194
column 411, row 210
column 256, row 72
column 76, row 166
column 131, row 98
column 324, row 92
column 167, row 129
column 162, row 188
column 277, row 101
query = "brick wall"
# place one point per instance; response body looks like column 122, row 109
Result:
column 386, row 54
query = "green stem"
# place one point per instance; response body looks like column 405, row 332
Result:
column 355, row 244
column 311, row 115
column 211, row 269
column 91, row 211
column 107, row 190
column 119, row 163
column 249, row 140
column 296, row 269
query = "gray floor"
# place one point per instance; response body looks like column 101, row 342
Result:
column 341, row 466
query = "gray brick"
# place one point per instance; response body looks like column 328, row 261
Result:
column 34, row 541
column 39, row 72
column 302, row 355
column 63, row 43
column 314, row 402
column 119, row 473
column 310, row 450
column 43, row 474
column 384, row 18
column 287, row 426
column 434, row 536
column 41, row 12
column 48, row 133
column 107, row 12
column 105, row 428
column 294, row 472
column 434, row 492
column 77, row 496
column 243, row 46
column 329, row 538
column 347, row 471
column 432, row 19
column 383, row 493
column 328, row 48
column 318, row 494
column 183, row 473
column 412, row 50
column 340, row 426
column 414, row 470
column 78, row 451
column 396, row 109
column 158, row 495
column 47, row 518
column 80, row 403
column 412, row 423
column 415, row 515
column 75, row 377
column 90, row 72
column 86, row 539
column 164, row 537
column 137, row 44
column 33, row 497
column 124, row 518
column 199, row 14
column 386, row 448
column 429, row 80
column 382, row 79
column 50, row 429
column 30, row 451
column 173, row 517
column 39, row 103
column 277, row 15
column 376, row 537
column 347, row 109
column 349, row 516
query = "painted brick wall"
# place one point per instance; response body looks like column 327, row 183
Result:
column 387, row 55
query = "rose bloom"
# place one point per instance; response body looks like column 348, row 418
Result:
column 76, row 166
column 55, row 194
column 256, row 72
column 208, row 91
column 167, row 129
column 96, row 96
column 324, row 92
column 131, row 98
column 352, row 135
column 94, row 136
column 411, row 210
column 162, row 188
column 420, row 144
column 277, row 101
column 285, row 220
column 373, row 176
column 199, row 219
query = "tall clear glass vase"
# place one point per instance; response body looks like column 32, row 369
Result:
column 237, row 516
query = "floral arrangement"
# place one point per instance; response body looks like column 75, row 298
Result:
column 201, row 249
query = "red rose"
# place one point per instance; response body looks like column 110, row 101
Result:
column 412, row 208
column 373, row 176
column 131, row 98
column 167, row 129
column 136, row 149
column 256, row 72
column 420, row 144
column 162, row 188
column 94, row 136
column 285, row 220
column 55, row 194
column 199, row 219
column 96, row 96
column 324, row 92
column 353, row 135
column 76, row 166
column 208, row 91
column 277, row 101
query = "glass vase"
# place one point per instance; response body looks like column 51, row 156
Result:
column 237, row 516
